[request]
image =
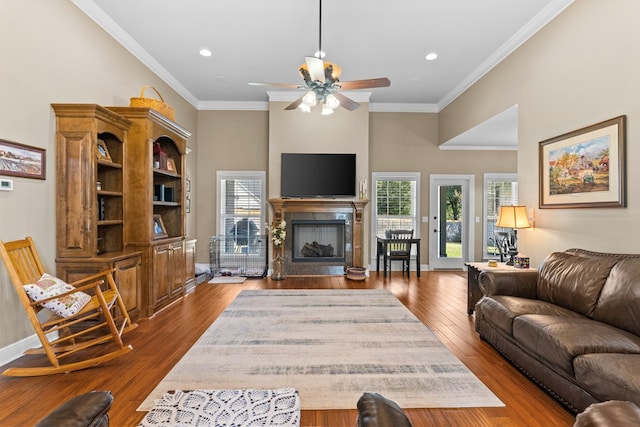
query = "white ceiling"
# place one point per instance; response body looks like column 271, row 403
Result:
column 267, row 40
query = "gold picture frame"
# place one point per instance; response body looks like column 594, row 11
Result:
column 584, row 168
column 102, row 152
column 171, row 165
column 159, row 231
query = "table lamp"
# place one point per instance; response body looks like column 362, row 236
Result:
column 513, row 217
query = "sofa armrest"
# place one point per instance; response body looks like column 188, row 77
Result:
column 86, row 410
column 518, row 283
column 374, row 410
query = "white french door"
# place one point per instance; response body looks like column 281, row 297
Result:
column 450, row 221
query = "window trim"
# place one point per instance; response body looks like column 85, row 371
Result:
column 502, row 177
column 255, row 175
column 391, row 176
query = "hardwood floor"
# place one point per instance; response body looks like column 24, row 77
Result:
column 437, row 298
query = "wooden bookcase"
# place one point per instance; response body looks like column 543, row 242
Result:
column 156, row 190
column 90, row 217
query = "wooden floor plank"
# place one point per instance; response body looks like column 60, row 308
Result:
column 438, row 299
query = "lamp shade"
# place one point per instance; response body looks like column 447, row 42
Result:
column 513, row 217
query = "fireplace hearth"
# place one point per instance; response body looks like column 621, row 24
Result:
column 318, row 227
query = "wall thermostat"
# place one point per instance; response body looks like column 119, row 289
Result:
column 6, row 184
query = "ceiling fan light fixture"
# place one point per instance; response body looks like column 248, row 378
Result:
column 320, row 54
column 304, row 107
column 331, row 102
column 310, row 99
column 326, row 110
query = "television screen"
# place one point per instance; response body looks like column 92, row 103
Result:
column 318, row 175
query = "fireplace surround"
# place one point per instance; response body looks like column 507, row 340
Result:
column 319, row 215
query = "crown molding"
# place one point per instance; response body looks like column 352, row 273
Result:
column 389, row 107
column 103, row 20
column 552, row 10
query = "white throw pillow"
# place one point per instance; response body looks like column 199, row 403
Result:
column 50, row 286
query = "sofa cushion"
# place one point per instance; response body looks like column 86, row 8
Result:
column 500, row 310
column 608, row 414
column 558, row 340
column 619, row 302
column 573, row 281
column 609, row 375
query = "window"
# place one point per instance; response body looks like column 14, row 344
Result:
column 241, row 213
column 395, row 203
column 499, row 190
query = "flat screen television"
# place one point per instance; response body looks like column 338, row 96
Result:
column 318, row 175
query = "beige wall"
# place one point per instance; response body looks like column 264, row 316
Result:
column 229, row 141
column 581, row 69
column 408, row 142
column 52, row 53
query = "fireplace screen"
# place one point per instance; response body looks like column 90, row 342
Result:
column 318, row 240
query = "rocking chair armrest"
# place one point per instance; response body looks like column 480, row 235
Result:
column 94, row 285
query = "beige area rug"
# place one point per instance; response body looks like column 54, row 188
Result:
column 329, row 345
column 227, row 279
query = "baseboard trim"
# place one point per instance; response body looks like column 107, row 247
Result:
column 17, row 349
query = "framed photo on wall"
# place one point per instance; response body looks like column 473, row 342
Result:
column 22, row 160
column 159, row 232
column 584, row 168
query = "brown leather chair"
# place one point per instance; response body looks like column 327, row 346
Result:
column 374, row 410
column 85, row 410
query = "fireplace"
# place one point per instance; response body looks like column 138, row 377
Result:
column 334, row 222
column 318, row 240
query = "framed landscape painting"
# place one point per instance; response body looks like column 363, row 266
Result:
column 584, row 168
column 22, row 160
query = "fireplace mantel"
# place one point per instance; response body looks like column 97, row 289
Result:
column 283, row 206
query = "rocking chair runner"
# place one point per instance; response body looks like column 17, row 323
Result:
column 77, row 332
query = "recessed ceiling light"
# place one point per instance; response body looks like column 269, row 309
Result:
column 431, row 56
column 205, row 52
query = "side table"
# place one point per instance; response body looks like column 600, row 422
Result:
column 473, row 284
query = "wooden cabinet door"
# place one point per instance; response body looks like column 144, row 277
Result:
column 161, row 278
column 178, row 267
column 128, row 278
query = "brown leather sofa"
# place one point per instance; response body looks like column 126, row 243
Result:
column 572, row 326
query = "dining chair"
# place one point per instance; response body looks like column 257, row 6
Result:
column 399, row 248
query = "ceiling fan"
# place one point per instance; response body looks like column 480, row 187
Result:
column 321, row 80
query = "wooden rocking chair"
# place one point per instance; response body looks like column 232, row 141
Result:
column 92, row 325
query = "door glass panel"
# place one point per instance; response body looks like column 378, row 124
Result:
column 451, row 221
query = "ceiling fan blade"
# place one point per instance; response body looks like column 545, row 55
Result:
column 365, row 84
column 316, row 68
column 345, row 102
column 287, row 85
column 295, row 104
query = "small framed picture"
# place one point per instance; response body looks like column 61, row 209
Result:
column 159, row 232
column 171, row 165
column 102, row 151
